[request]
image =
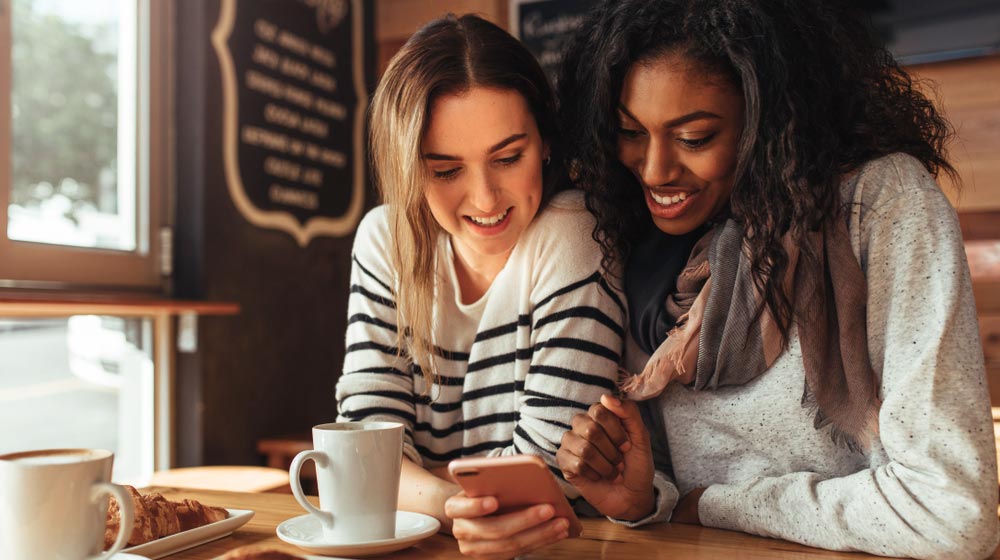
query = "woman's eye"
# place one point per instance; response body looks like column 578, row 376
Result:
column 695, row 143
column 447, row 173
column 629, row 132
column 510, row 160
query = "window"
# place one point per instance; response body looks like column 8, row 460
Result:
column 86, row 381
column 84, row 106
column 85, row 172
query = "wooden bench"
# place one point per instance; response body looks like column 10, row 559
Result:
column 280, row 450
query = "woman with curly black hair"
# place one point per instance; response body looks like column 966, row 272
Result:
column 800, row 305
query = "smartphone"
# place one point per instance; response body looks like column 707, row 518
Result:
column 516, row 481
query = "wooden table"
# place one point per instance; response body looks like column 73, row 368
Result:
column 600, row 539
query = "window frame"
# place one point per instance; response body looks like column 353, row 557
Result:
column 39, row 265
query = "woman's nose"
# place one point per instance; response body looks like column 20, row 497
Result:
column 660, row 165
column 483, row 192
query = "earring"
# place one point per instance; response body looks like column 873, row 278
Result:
column 546, row 160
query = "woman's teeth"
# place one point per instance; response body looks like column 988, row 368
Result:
column 490, row 220
column 668, row 200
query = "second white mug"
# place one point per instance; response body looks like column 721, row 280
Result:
column 357, row 472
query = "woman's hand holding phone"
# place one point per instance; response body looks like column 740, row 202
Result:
column 509, row 506
column 607, row 456
column 481, row 534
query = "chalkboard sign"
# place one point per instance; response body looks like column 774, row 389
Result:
column 545, row 27
column 294, row 99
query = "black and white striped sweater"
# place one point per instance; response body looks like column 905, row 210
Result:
column 540, row 346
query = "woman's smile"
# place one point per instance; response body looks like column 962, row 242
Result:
column 490, row 225
column 669, row 205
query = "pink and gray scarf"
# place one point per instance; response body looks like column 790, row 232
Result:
column 693, row 307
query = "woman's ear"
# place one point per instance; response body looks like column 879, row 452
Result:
column 546, row 153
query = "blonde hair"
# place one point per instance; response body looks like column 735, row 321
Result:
column 447, row 56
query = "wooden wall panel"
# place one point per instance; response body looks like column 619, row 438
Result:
column 980, row 225
column 969, row 92
column 987, row 292
column 396, row 20
column 989, row 333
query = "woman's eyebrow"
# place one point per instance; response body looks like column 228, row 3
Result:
column 506, row 141
column 683, row 119
column 494, row 148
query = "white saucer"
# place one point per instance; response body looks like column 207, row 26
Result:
column 127, row 556
column 306, row 532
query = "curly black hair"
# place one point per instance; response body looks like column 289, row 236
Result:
column 822, row 97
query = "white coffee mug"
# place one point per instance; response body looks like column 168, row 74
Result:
column 357, row 471
column 55, row 505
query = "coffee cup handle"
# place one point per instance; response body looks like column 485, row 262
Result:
column 325, row 517
column 125, row 509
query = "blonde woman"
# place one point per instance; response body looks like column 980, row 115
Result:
column 479, row 313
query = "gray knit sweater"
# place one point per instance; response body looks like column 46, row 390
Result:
column 928, row 487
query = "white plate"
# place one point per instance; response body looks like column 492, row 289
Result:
column 306, row 533
column 193, row 537
column 127, row 556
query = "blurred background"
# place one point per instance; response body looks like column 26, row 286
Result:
column 182, row 181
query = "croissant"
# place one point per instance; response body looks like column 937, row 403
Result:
column 156, row 517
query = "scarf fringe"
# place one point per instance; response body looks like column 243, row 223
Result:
column 857, row 443
column 666, row 364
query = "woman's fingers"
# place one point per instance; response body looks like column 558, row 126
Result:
column 533, row 539
column 603, row 429
column 502, row 536
column 611, row 423
column 461, row 506
column 512, row 534
column 630, row 419
column 578, row 457
column 504, row 526
column 594, row 448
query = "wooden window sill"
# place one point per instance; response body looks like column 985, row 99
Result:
column 62, row 305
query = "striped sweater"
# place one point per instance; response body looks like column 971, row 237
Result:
column 540, row 346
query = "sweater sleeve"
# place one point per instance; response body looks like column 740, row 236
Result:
column 376, row 383
column 934, row 492
column 576, row 338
